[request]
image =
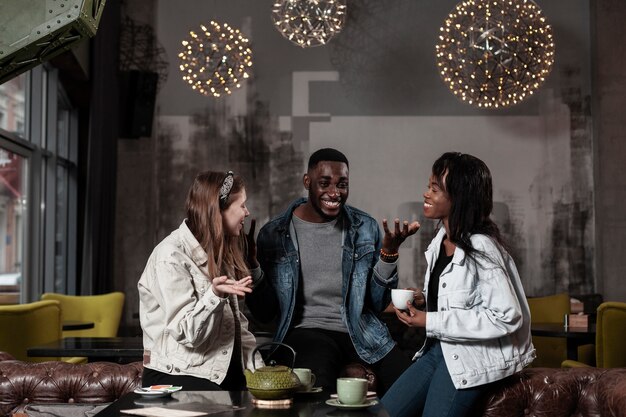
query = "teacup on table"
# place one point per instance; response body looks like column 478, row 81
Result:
column 351, row 391
column 306, row 377
column 400, row 297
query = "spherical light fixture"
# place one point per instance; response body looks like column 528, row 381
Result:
column 216, row 60
column 309, row 22
column 495, row 53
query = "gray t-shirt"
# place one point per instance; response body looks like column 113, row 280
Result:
column 319, row 298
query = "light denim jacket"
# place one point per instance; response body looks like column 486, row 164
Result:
column 483, row 319
column 365, row 291
column 187, row 329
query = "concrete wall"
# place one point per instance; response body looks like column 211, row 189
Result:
column 374, row 93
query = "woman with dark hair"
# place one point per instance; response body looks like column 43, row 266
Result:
column 473, row 306
column 193, row 332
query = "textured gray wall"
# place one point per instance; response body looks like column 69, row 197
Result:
column 374, row 93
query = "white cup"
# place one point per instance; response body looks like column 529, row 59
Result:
column 351, row 391
column 399, row 298
column 306, row 377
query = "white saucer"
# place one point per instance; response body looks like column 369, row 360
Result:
column 336, row 403
column 313, row 390
column 148, row 392
column 369, row 396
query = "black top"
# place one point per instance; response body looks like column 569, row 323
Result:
column 433, row 285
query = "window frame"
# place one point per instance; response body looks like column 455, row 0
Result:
column 39, row 150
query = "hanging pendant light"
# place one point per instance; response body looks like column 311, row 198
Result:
column 309, row 22
column 215, row 60
column 495, row 53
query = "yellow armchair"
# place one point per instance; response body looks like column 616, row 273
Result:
column 610, row 341
column 551, row 351
column 32, row 324
column 105, row 311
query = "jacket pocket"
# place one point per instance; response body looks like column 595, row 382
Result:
column 185, row 357
column 363, row 258
column 464, row 300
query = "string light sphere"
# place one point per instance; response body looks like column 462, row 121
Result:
column 495, row 53
column 215, row 60
column 309, row 22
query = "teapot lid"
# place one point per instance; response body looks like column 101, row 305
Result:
column 274, row 368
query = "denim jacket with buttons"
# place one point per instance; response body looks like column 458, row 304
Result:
column 365, row 291
column 483, row 318
column 187, row 329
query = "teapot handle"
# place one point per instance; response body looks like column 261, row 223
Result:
column 293, row 352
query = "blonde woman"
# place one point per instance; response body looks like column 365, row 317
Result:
column 193, row 332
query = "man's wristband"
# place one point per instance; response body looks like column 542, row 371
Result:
column 388, row 257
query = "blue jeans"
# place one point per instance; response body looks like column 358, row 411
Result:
column 426, row 389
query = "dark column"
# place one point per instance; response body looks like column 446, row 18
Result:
column 609, row 102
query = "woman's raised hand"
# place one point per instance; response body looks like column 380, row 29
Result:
column 224, row 285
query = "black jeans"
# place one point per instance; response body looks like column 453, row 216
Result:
column 326, row 352
column 234, row 381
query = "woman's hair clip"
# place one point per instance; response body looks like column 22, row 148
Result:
column 227, row 186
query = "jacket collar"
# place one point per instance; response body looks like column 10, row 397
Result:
column 353, row 220
column 191, row 244
column 432, row 253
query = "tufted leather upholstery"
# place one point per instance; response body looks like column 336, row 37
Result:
column 558, row 393
column 550, row 392
column 23, row 383
column 553, row 392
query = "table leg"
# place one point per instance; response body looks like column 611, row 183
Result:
column 572, row 349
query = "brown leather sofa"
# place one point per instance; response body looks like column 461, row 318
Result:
column 551, row 392
column 25, row 383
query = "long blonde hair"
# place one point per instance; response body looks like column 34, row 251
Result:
column 204, row 219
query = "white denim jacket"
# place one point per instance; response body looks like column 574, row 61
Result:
column 187, row 329
column 483, row 319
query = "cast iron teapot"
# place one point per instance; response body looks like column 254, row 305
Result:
column 274, row 382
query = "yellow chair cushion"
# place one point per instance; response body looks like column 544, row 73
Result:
column 610, row 331
column 551, row 351
column 610, row 340
column 105, row 311
column 26, row 325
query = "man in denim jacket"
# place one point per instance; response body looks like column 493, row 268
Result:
column 324, row 272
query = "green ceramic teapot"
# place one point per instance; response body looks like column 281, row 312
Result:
column 273, row 382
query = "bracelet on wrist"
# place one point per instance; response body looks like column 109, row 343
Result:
column 388, row 257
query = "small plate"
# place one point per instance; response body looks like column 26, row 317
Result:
column 313, row 390
column 335, row 403
column 369, row 396
column 156, row 391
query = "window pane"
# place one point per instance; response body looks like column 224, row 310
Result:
column 60, row 231
column 13, row 105
column 12, row 222
column 63, row 125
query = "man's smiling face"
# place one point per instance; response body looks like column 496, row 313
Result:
column 327, row 183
